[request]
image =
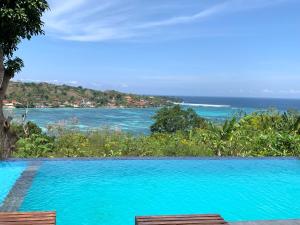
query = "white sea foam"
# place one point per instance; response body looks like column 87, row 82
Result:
column 202, row 105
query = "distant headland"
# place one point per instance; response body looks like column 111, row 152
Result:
column 46, row 95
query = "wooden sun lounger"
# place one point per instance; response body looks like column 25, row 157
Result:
column 202, row 219
column 24, row 218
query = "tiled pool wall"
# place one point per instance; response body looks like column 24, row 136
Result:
column 16, row 191
column 9, row 173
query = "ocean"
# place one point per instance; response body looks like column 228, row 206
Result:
column 138, row 121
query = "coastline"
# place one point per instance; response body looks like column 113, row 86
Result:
column 100, row 107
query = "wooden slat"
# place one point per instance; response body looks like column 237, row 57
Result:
column 202, row 219
column 32, row 218
column 26, row 216
column 182, row 219
column 184, row 222
column 178, row 216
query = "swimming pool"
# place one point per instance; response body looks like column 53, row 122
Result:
column 112, row 192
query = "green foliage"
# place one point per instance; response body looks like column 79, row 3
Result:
column 33, row 142
column 31, row 128
column 72, row 144
column 20, row 19
column 18, row 130
column 13, row 66
column 36, row 145
column 259, row 134
column 173, row 119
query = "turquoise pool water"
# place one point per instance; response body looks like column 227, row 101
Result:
column 112, row 192
column 9, row 173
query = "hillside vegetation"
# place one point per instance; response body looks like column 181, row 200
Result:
column 51, row 95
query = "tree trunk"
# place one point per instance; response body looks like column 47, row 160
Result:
column 7, row 138
column 2, row 71
column 2, row 135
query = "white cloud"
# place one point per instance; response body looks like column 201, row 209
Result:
column 290, row 91
column 186, row 19
column 101, row 20
column 73, row 82
column 229, row 6
column 124, row 85
column 170, row 78
column 267, row 91
column 26, row 80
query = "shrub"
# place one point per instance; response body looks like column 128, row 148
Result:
column 34, row 146
column 72, row 145
column 174, row 119
column 30, row 127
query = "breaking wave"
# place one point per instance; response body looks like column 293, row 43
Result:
column 202, row 105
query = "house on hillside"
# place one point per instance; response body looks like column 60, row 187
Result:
column 129, row 99
column 10, row 104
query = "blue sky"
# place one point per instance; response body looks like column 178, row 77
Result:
column 170, row 47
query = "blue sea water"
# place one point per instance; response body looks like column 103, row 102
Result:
column 112, row 192
column 9, row 173
column 138, row 121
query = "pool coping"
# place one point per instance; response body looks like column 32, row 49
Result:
column 148, row 158
column 268, row 222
